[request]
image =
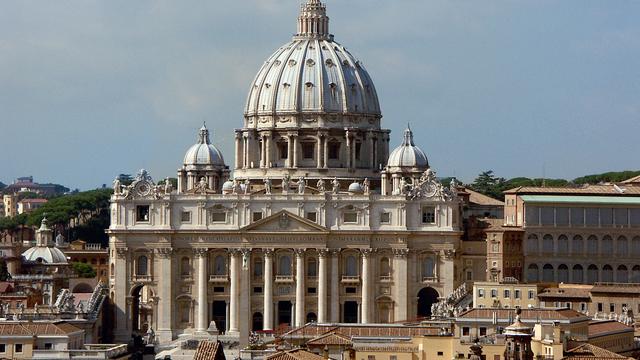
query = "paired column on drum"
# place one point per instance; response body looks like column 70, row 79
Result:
column 201, row 255
column 300, row 293
column 268, row 289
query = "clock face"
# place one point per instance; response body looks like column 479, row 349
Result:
column 430, row 190
column 143, row 188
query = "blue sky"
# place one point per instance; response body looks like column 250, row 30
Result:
column 90, row 89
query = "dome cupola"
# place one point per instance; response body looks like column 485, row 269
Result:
column 44, row 252
column 408, row 155
column 203, row 166
column 203, row 153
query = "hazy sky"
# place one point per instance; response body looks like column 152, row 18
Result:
column 91, row 89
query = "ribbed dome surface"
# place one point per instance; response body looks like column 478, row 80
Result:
column 312, row 75
column 49, row 255
column 408, row 155
column 203, row 152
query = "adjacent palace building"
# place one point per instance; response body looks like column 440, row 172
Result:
column 320, row 221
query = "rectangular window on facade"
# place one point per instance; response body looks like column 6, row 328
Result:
column 532, row 215
column 516, row 294
column 440, row 353
column 393, row 357
column 577, row 217
column 3, row 348
column 483, row 331
column 312, row 290
column 480, row 293
column 350, row 217
column 371, row 357
column 507, row 294
column 257, row 289
column 334, row 150
column 612, row 307
column 606, row 216
column 48, row 346
column 583, row 307
column 591, row 216
column 546, row 215
column 142, row 213
column 621, row 217
column 385, row 218
column 185, row 217
column 218, row 217
column 634, row 216
column 18, row 348
column 428, row 215
column 562, row 216
column 311, row 216
column 218, row 289
column 494, row 293
column 307, row 150
column 350, row 290
column 283, row 149
column 531, row 294
column 465, row 331
column 600, row 307
column 256, row 216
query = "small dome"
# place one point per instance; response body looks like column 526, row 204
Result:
column 355, row 187
column 203, row 152
column 227, row 186
column 48, row 255
column 408, row 155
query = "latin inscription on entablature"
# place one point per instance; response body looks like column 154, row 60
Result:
column 208, row 239
column 353, row 239
column 295, row 239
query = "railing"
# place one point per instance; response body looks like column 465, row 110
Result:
column 385, row 278
column 24, row 277
column 186, row 277
column 350, row 279
column 429, row 279
column 142, row 278
column 218, row 278
column 91, row 351
column 284, row 278
column 93, row 247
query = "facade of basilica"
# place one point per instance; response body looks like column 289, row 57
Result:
column 319, row 221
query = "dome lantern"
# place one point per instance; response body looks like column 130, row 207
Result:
column 313, row 21
column 203, row 160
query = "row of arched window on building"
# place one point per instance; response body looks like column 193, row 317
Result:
column 579, row 273
column 579, row 245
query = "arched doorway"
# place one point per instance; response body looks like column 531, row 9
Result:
column 284, row 313
column 385, row 310
column 142, row 309
column 350, row 311
column 257, row 323
column 426, row 297
column 219, row 315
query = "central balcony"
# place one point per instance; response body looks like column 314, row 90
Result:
column 284, row 278
column 429, row 279
column 142, row 278
column 218, row 278
column 349, row 279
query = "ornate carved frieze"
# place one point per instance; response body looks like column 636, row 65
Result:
column 428, row 187
column 164, row 253
column 323, row 253
column 267, row 252
column 401, row 253
column 121, row 252
column 299, row 252
column 367, row 252
column 448, row 254
column 200, row 252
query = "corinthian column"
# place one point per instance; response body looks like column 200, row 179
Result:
column 238, row 151
column 400, row 283
column 366, row 286
column 201, row 320
column 322, row 285
column 268, row 289
column 233, row 292
column 165, row 303
column 300, row 315
column 335, row 285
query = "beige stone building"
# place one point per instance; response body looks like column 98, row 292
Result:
column 321, row 223
column 509, row 294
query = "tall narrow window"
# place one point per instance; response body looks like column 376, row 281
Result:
column 352, row 266
column 143, row 263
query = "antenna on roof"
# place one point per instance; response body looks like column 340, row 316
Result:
column 544, row 175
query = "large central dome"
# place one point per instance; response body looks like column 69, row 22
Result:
column 312, row 111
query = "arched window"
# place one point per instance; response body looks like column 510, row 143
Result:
column 578, row 274
column 284, row 265
column 547, row 244
column 623, row 246
column 622, row 274
column 635, row 274
column 113, row 270
column 635, row 246
column 547, row 273
column 312, row 318
column 578, row 245
column 592, row 274
column 143, row 264
column 257, row 267
column 352, row 266
column 385, row 269
column 607, row 245
column 532, row 244
column 185, row 267
column 220, row 265
column 563, row 244
column 428, row 267
column 563, row 273
column 532, row 273
column 607, row 273
column 312, row 269
column 592, row 245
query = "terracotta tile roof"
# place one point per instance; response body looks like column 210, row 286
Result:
column 591, row 352
column 37, row 329
column 609, row 189
column 14, row 330
column 527, row 315
column 601, row 328
column 5, row 287
column 565, row 293
column 348, row 330
column 633, row 180
column 209, row 350
column 481, row 199
column 616, row 288
column 330, row 339
column 391, row 348
column 297, row 354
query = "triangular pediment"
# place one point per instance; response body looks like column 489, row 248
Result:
column 284, row 221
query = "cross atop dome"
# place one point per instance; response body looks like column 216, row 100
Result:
column 313, row 21
column 203, row 137
column 408, row 137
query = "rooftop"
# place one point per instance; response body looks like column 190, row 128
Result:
column 591, row 352
column 296, row 354
column 527, row 315
column 598, row 190
column 607, row 327
column 362, row 330
column 481, row 199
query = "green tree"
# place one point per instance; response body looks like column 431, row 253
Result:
column 83, row 270
column 173, row 181
column 612, row 176
column 488, row 184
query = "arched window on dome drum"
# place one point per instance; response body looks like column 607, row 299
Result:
column 578, row 245
column 385, row 269
column 607, row 273
column 220, row 265
column 351, row 266
column 578, row 274
column 142, row 268
column 622, row 246
column 547, row 273
column 592, row 274
column 284, row 265
column 622, row 274
column 532, row 273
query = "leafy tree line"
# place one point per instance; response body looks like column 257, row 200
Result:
column 489, row 184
